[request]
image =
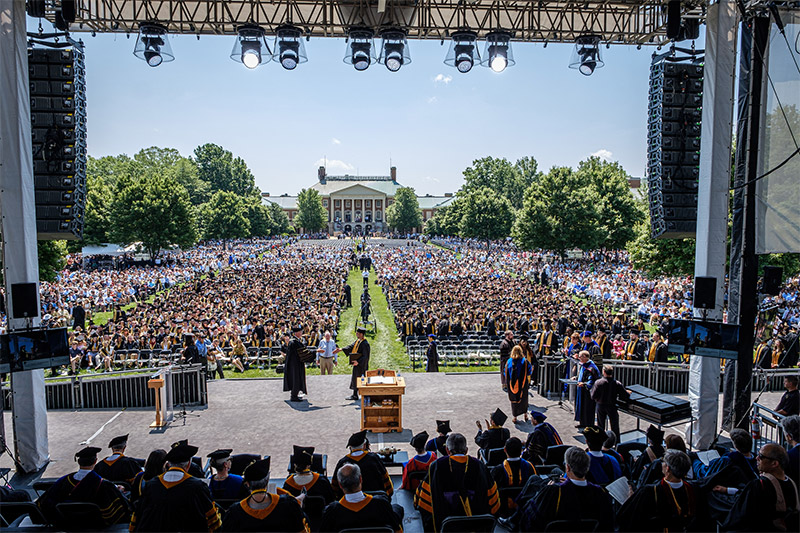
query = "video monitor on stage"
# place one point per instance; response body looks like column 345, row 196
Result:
column 29, row 350
column 703, row 338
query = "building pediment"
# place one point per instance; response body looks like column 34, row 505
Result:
column 357, row 190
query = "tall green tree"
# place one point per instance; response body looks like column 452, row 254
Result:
column 52, row 259
column 259, row 217
column 486, row 215
column 280, row 221
column 97, row 218
column 674, row 257
column 558, row 213
column 446, row 220
column 184, row 171
column 156, row 212
column 311, row 215
column 617, row 213
column 404, row 214
column 506, row 179
column 225, row 217
column 222, row 171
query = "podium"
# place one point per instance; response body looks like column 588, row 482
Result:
column 381, row 394
column 161, row 383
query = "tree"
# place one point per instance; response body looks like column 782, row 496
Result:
column 222, row 172
column 280, row 221
column 558, row 213
column 311, row 215
column 674, row 257
column 446, row 220
column 154, row 211
column 501, row 176
column 617, row 213
column 259, row 217
column 111, row 169
column 225, row 217
column 52, row 256
column 184, row 171
column 97, row 217
column 486, row 215
column 404, row 214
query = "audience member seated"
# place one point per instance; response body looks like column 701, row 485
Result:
column 768, row 503
column 457, row 485
column 653, row 472
column 740, row 457
column 654, row 450
column 608, row 449
column 790, row 401
column 791, row 428
column 262, row 511
column 495, row 435
column 86, row 486
column 419, row 463
column 603, row 468
column 437, row 444
column 116, row 467
column 357, row 510
column 154, row 466
column 543, row 436
column 514, row 472
column 671, row 504
column 302, row 478
column 223, row 484
column 572, row 499
column 176, row 501
column 374, row 475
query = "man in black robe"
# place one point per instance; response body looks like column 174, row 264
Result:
column 547, row 343
column 356, row 510
column 85, row 485
column 588, row 344
column 78, row 316
column 117, row 467
column 176, row 501
column 294, row 370
column 373, row 472
column 262, row 511
column 456, row 485
column 542, row 437
column 658, row 352
column 495, row 435
column 359, row 359
column 348, row 298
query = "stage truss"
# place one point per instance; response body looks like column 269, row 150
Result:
column 616, row 21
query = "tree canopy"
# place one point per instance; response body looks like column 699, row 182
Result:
column 311, row 215
column 225, row 217
column 507, row 180
column 222, row 171
column 404, row 214
column 486, row 215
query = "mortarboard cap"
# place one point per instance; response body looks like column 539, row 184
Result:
column 302, row 456
column 634, row 331
column 594, row 436
column 586, row 333
column 538, row 415
column 655, row 435
column 419, row 440
column 181, row 452
column 297, row 328
column 88, row 452
column 361, row 330
column 431, row 336
column 443, row 426
column 257, row 470
column 499, row 417
column 219, row 455
column 117, row 442
column 357, row 439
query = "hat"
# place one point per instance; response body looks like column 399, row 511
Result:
column 302, row 456
column 634, row 331
column 523, row 337
column 86, row 453
column 219, row 455
column 361, row 330
column 181, row 452
column 443, row 426
column 595, row 437
column 499, row 417
column 296, row 328
column 547, row 321
column 117, row 442
column 655, row 435
column 357, row 439
column 538, row 415
column 257, row 470
column 419, row 440
column 586, row 333
column 431, row 336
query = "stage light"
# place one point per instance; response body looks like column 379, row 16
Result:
column 360, row 51
column 250, row 47
column 289, row 48
column 587, row 55
column 498, row 54
column 463, row 53
column 152, row 44
column 394, row 49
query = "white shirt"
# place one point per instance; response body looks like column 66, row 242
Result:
column 355, row 497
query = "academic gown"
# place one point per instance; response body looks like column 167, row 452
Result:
column 644, row 460
column 512, row 474
column 362, row 349
column 372, row 511
column 232, row 487
column 432, row 358
column 493, row 437
column 183, row 505
column 418, row 463
column 584, row 405
column 282, row 514
column 294, row 371
column 603, row 470
column 542, row 437
column 318, row 486
column 754, row 509
column 120, row 468
column 114, row 508
column 659, row 507
column 518, row 374
column 568, row 501
column 437, row 444
column 374, row 476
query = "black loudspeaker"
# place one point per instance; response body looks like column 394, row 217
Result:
column 705, row 292
column 23, row 299
column 673, row 19
column 773, row 277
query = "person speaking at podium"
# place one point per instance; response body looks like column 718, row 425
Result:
column 359, row 359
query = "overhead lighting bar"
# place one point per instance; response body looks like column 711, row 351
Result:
column 463, row 53
column 250, row 47
column 152, row 44
column 587, row 54
column 360, row 50
column 498, row 54
column 394, row 49
column 289, row 48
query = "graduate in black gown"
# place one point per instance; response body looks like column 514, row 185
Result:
column 518, row 371
column 85, row 485
column 117, row 467
column 294, row 371
column 358, row 352
column 262, row 511
column 437, row 443
column 302, row 478
column 432, row 355
column 373, row 472
column 356, row 510
column 495, row 435
column 654, row 450
column 175, row 500
column 542, row 437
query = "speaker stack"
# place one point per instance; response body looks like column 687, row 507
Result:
column 673, row 146
column 58, row 127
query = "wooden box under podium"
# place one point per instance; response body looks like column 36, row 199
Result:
column 381, row 394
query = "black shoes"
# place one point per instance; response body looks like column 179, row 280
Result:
column 352, row 398
column 295, row 400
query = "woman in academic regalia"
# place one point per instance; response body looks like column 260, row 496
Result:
column 432, row 356
column 518, row 371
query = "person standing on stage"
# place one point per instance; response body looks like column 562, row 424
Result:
column 518, row 372
column 584, row 405
column 326, row 359
column 505, row 352
column 360, row 363
column 432, row 356
column 294, row 372
column 605, row 392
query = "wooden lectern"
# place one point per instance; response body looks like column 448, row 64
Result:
column 381, row 401
column 157, row 384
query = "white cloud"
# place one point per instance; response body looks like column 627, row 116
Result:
column 334, row 140
column 442, row 78
column 603, row 154
column 430, row 178
column 335, row 164
column 432, row 100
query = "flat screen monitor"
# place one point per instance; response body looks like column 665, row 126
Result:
column 703, row 338
column 36, row 348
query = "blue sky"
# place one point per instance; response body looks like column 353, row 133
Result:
column 430, row 120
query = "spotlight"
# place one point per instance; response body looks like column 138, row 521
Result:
column 289, row 48
column 152, row 44
column 498, row 54
column 394, row 49
column 586, row 57
column 250, row 47
column 463, row 53
column 360, row 51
